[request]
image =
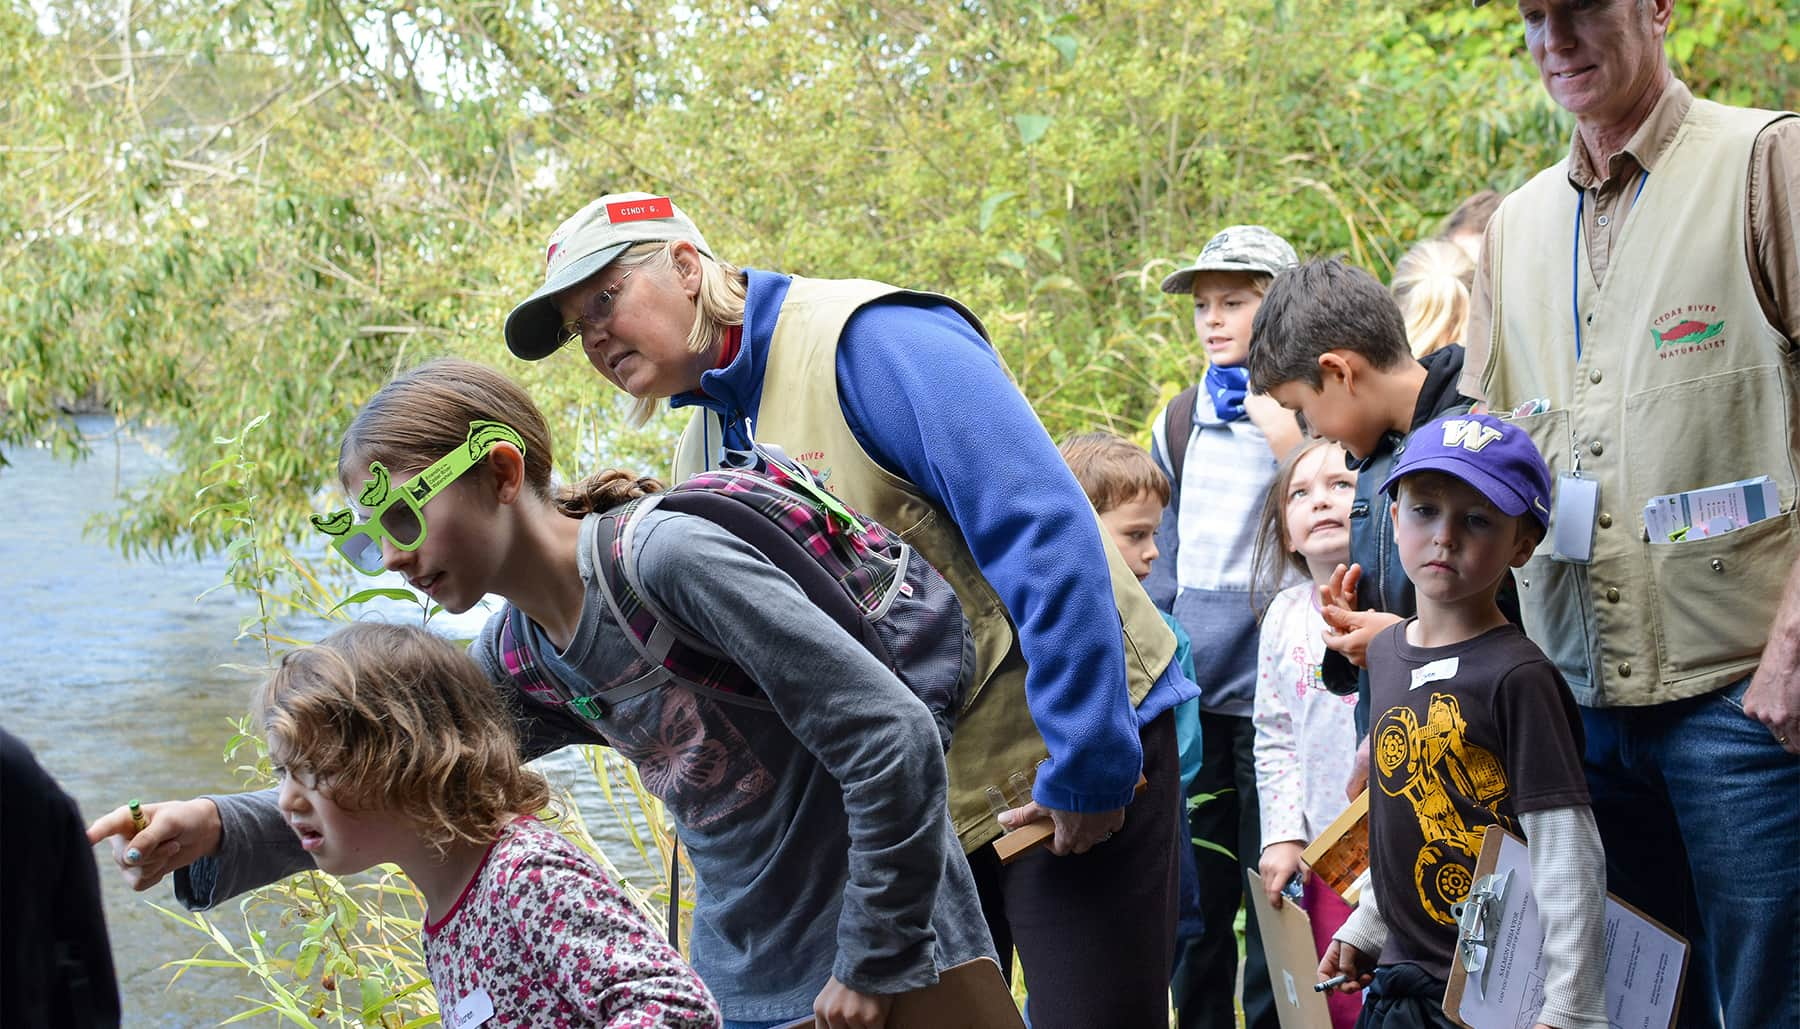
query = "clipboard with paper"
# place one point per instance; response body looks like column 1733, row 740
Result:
column 1498, row 970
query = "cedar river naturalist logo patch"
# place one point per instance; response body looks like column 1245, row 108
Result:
column 1685, row 330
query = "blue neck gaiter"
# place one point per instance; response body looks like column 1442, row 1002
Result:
column 1227, row 387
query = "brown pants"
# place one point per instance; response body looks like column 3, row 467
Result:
column 1095, row 932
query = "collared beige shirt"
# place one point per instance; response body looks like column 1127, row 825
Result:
column 1771, row 205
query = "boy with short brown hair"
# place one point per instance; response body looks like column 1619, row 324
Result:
column 1331, row 345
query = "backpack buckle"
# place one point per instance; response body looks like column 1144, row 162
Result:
column 591, row 708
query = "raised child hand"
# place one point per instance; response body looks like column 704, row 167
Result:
column 1350, row 632
column 179, row 833
column 1340, row 591
column 840, row 1007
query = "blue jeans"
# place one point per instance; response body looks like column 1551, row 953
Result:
column 729, row 1024
column 1699, row 809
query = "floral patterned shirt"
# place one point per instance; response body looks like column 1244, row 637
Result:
column 1305, row 735
column 543, row 937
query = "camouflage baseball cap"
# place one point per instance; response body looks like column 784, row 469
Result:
column 1241, row 248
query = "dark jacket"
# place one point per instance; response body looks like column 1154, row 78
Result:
column 1404, row 997
column 56, row 966
column 1384, row 585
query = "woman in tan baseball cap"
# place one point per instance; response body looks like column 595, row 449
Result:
column 901, row 402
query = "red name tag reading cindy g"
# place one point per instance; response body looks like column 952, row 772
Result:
column 639, row 210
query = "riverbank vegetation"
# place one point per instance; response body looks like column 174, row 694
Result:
column 217, row 211
column 235, row 220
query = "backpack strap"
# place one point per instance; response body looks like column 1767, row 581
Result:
column 674, row 889
column 655, row 649
column 1180, row 415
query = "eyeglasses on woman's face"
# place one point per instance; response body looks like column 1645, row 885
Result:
column 597, row 313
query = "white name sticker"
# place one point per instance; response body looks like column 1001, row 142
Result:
column 1436, row 671
column 471, row 1011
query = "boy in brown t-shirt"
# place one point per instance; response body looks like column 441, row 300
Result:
column 1472, row 726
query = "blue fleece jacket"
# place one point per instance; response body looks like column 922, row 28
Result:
column 927, row 399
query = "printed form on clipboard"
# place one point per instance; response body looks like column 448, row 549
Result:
column 1498, row 970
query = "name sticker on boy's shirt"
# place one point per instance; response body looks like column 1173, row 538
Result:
column 471, row 1011
column 1436, row 671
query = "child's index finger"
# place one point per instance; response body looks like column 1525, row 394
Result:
column 116, row 822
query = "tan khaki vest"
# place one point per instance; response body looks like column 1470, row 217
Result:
column 1645, row 415
column 800, row 410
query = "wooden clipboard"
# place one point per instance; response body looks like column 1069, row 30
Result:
column 1287, row 940
column 1024, row 839
column 972, row 995
column 1485, row 863
column 1340, row 855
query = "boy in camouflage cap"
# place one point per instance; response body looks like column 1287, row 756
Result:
column 1220, row 446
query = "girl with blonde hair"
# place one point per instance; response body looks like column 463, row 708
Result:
column 389, row 746
column 1431, row 285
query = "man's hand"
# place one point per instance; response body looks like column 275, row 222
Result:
column 1774, row 700
column 179, row 833
column 1279, row 863
column 1774, row 694
column 1076, row 832
column 840, row 1007
column 1359, row 771
column 1342, row 959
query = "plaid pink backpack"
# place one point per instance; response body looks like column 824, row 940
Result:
column 873, row 584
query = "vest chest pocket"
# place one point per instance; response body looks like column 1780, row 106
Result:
column 1715, row 597
column 1714, row 429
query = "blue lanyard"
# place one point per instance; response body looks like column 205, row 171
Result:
column 1575, row 256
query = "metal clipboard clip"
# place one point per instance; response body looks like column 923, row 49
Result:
column 1478, row 925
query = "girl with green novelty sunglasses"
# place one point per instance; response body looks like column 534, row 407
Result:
column 397, row 515
column 830, row 878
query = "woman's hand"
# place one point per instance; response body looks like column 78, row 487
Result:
column 1345, row 960
column 1077, row 832
column 840, row 1007
column 1279, row 863
column 179, row 833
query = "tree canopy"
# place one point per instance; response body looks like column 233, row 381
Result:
column 212, row 212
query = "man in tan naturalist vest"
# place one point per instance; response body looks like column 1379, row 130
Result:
column 1636, row 310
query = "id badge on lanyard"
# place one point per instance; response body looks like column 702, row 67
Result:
column 1574, row 510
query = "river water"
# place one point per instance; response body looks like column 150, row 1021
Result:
column 117, row 678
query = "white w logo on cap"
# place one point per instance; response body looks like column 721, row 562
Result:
column 1469, row 435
